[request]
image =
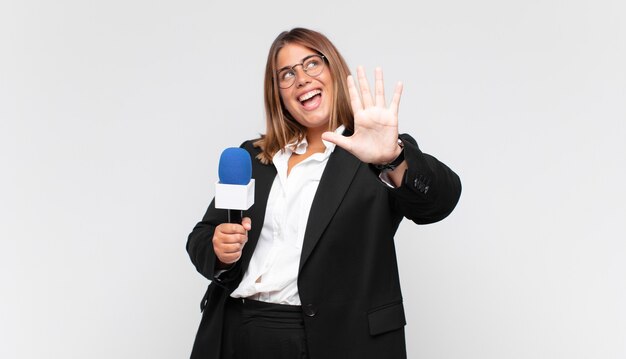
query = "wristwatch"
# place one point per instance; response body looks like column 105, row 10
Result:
column 395, row 163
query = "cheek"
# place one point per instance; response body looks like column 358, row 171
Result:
column 283, row 96
column 330, row 88
column 288, row 102
column 287, row 106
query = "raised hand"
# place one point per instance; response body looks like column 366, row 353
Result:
column 375, row 125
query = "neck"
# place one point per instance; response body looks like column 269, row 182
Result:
column 314, row 138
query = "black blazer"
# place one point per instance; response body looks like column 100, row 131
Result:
column 348, row 281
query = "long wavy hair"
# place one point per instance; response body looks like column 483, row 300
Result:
column 281, row 127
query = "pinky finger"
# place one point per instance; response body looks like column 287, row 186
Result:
column 395, row 101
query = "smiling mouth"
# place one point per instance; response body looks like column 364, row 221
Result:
column 309, row 97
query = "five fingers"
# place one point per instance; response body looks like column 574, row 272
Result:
column 363, row 98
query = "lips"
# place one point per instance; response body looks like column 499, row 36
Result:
column 311, row 100
column 309, row 94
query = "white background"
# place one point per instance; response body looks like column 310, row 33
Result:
column 113, row 115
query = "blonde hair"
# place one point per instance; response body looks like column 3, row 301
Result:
column 281, row 127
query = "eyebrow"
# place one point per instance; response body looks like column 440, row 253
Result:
column 299, row 63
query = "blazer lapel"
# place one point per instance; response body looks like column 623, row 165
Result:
column 336, row 179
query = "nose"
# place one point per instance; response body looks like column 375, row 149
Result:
column 301, row 77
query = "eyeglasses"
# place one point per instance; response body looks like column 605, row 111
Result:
column 312, row 65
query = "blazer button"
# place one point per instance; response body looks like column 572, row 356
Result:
column 309, row 310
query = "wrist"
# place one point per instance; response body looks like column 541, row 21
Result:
column 396, row 162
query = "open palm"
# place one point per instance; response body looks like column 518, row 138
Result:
column 375, row 125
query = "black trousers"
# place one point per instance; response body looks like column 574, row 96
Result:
column 260, row 330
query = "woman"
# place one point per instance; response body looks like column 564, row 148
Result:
column 311, row 272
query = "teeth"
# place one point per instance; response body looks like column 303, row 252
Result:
column 308, row 95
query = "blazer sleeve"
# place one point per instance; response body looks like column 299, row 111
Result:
column 200, row 241
column 430, row 190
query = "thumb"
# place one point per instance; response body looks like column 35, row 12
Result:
column 339, row 140
column 246, row 223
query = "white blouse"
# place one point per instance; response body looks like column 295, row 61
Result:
column 272, row 275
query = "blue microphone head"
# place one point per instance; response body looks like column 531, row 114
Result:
column 235, row 166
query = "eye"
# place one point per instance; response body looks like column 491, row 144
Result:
column 311, row 64
column 286, row 75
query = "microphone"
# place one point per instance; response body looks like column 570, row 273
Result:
column 235, row 189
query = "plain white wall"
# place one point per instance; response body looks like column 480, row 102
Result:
column 113, row 115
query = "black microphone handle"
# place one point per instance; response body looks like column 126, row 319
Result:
column 235, row 216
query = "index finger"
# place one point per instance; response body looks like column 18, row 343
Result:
column 366, row 94
column 232, row 228
column 355, row 99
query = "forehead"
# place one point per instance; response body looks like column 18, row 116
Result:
column 292, row 54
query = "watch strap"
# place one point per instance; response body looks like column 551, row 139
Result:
column 395, row 163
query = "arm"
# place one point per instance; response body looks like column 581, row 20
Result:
column 214, row 245
column 199, row 242
column 427, row 190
